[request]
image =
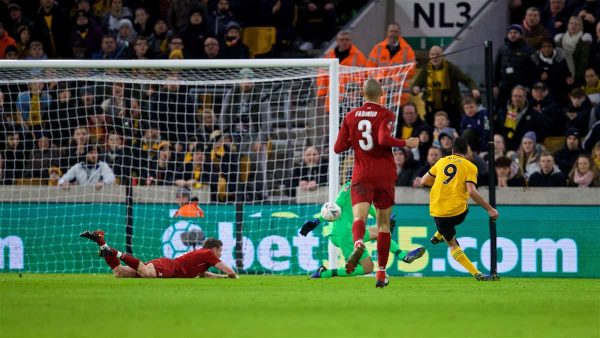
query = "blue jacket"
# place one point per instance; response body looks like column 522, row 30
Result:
column 24, row 104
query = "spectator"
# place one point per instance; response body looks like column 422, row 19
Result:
column 584, row 173
column 207, row 124
column 441, row 123
column 36, row 51
column 86, row 33
column 188, row 206
column 172, row 110
column 446, row 140
column 42, row 159
column 519, row 117
column 404, row 167
column 589, row 13
column 596, row 155
column 88, row 112
column 108, row 49
column 439, row 84
column 577, row 113
column 595, row 50
column 14, row 158
column 11, row 53
column 23, row 41
column 91, row 171
column 212, row 50
column 114, row 106
column 394, row 50
column 508, row 174
column 499, row 149
column 32, row 108
column 141, row 48
column 310, row 174
column 126, row 35
column 592, row 86
column 198, row 173
column 410, row 125
column 527, row 156
column 116, row 13
column 51, row 28
column 62, row 116
column 433, row 155
column 568, row 154
column 234, row 48
column 425, row 141
column 245, row 115
column 142, row 23
column 221, row 17
column 225, row 159
column 176, row 45
column 577, row 46
column 179, row 13
column 159, row 40
column 592, row 137
column 533, row 31
column 473, row 125
column 118, row 158
column 160, row 171
column 5, row 41
column 512, row 65
column 548, row 175
column 555, row 17
column 542, row 102
column 195, row 33
column 78, row 148
column 316, row 22
column 131, row 124
column 549, row 66
column 17, row 20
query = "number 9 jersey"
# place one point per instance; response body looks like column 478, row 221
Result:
column 366, row 129
column 449, row 195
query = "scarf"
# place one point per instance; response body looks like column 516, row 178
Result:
column 569, row 43
column 592, row 89
column 583, row 180
column 438, row 81
column 513, row 115
column 549, row 60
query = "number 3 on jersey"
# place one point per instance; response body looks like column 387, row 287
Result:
column 366, row 142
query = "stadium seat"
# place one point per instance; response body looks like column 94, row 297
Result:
column 260, row 40
column 554, row 143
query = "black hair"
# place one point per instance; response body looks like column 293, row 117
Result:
column 460, row 146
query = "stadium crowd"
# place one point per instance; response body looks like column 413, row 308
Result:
column 546, row 90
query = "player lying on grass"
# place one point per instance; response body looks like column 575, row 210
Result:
column 341, row 237
column 190, row 265
column 453, row 180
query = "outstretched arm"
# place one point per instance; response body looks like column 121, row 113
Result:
column 474, row 194
column 226, row 270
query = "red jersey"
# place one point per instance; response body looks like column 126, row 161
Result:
column 368, row 131
column 195, row 262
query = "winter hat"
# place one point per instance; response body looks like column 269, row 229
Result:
column 125, row 22
column 530, row 135
column 446, row 132
column 232, row 25
column 573, row 132
column 515, row 27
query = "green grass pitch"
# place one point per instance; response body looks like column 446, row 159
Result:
column 38, row 305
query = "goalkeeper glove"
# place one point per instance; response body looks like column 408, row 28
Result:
column 392, row 223
column 309, row 225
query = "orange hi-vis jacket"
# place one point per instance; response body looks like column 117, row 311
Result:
column 355, row 59
column 380, row 57
column 190, row 210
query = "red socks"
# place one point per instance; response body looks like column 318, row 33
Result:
column 358, row 230
column 383, row 248
column 112, row 261
column 101, row 241
column 131, row 261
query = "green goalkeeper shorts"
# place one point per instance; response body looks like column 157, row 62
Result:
column 346, row 244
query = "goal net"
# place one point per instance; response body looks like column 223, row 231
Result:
column 163, row 154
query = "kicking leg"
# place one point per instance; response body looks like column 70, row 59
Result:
column 403, row 255
column 98, row 237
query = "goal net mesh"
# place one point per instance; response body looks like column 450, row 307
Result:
column 162, row 158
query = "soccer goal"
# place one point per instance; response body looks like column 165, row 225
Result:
column 132, row 147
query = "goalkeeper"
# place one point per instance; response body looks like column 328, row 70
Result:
column 341, row 237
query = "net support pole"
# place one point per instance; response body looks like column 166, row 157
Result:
column 129, row 218
column 334, row 159
column 491, row 167
column 239, row 224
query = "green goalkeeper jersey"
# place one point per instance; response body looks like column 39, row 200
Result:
column 343, row 225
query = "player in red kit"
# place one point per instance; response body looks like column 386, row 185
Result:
column 368, row 131
column 190, row 265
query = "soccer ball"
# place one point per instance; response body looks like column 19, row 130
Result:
column 172, row 243
column 330, row 211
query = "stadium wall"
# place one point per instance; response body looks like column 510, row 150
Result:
column 542, row 239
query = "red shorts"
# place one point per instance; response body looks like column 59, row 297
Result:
column 166, row 267
column 380, row 194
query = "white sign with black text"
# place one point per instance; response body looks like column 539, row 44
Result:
column 434, row 18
